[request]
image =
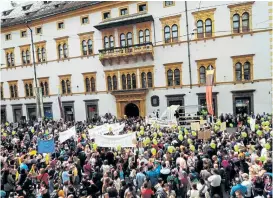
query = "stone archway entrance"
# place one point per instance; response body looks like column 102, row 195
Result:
column 131, row 110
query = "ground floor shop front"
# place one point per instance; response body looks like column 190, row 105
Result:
column 142, row 102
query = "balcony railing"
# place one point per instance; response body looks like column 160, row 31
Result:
column 133, row 50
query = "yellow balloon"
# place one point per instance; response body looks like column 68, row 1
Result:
column 13, row 132
column 213, row 145
column 192, row 147
column 7, row 124
column 95, row 146
column 141, row 132
column 154, row 141
column 118, row 148
column 153, row 151
column 180, row 137
column 142, row 128
column 244, row 134
column 5, row 134
column 267, row 146
column 180, row 133
column 89, row 126
column 84, row 136
column 236, row 148
column 189, row 141
column 148, row 140
column 32, row 130
column 155, row 134
column 170, row 149
column 186, row 131
column 193, row 133
column 160, row 134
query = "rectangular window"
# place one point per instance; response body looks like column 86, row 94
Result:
column 23, row 33
column 61, row 25
column 142, row 7
column 38, row 30
column 106, row 15
column 85, row 20
column 8, row 37
column 123, row 11
column 168, row 3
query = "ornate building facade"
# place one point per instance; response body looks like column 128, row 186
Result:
column 135, row 58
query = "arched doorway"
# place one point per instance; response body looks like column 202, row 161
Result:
column 131, row 110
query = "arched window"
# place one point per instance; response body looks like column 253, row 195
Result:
column 39, row 54
column 60, row 51
column 30, row 90
column 8, row 59
column 65, row 51
column 11, row 92
column 84, row 47
column 68, row 87
column 109, row 83
column 93, row 84
column 24, row 57
column 12, row 59
column 236, row 23
column 28, row 56
column 143, row 80
column 26, row 89
column 170, row 77
column 202, row 75
column 174, row 33
column 122, row 40
column 111, row 41
column 87, row 84
column 123, row 81
column 134, row 81
column 90, row 47
column 106, row 42
column 150, row 79
column 129, row 81
column 43, row 54
column 177, row 77
column 208, row 28
column 147, row 36
column 63, row 87
column 115, row 83
column 238, row 71
column 247, row 71
column 245, row 22
column 200, row 29
column 42, row 88
column 141, row 37
column 46, row 89
column 15, row 91
column 129, row 39
column 167, row 34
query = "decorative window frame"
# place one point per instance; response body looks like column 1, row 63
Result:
column 86, row 36
column 240, row 9
column 89, row 75
column 43, row 80
column 84, row 16
column 102, row 15
column 125, row 30
column 119, row 10
column 206, row 63
column 13, row 82
column 62, row 40
column 29, row 81
column 25, row 48
column 21, row 33
column 146, row 70
column 242, row 59
column 6, row 36
column 170, row 21
column 111, row 74
column 143, row 27
column 128, row 71
column 65, row 78
column 140, row 3
column 57, row 24
column 173, row 66
column 36, row 30
column 40, row 44
column 108, row 32
column 9, row 50
column 204, row 15
column 164, row 6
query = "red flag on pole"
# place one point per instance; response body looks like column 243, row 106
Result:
column 209, row 84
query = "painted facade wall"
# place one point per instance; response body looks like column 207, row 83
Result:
column 221, row 48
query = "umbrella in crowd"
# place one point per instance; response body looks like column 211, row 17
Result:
column 52, row 159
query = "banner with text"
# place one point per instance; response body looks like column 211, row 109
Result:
column 127, row 140
column 106, row 128
column 63, row 136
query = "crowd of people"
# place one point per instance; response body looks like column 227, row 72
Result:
column 167, row 162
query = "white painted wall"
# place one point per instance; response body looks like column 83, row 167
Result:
column 221, row 48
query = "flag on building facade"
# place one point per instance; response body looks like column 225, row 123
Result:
column 209, row 84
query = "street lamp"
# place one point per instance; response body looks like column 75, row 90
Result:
column 38, row 94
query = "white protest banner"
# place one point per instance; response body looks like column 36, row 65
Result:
column 116, row 128
column 195, row 126
column 127, row 140
column 252, row 124
column 97, row 130
column 63, row 136
column 223, row 126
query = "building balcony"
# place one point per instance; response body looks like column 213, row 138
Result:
column 125, row 53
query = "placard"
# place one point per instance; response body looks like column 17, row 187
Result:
column 204, row 134
column 195, row 126
column 223, row 126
